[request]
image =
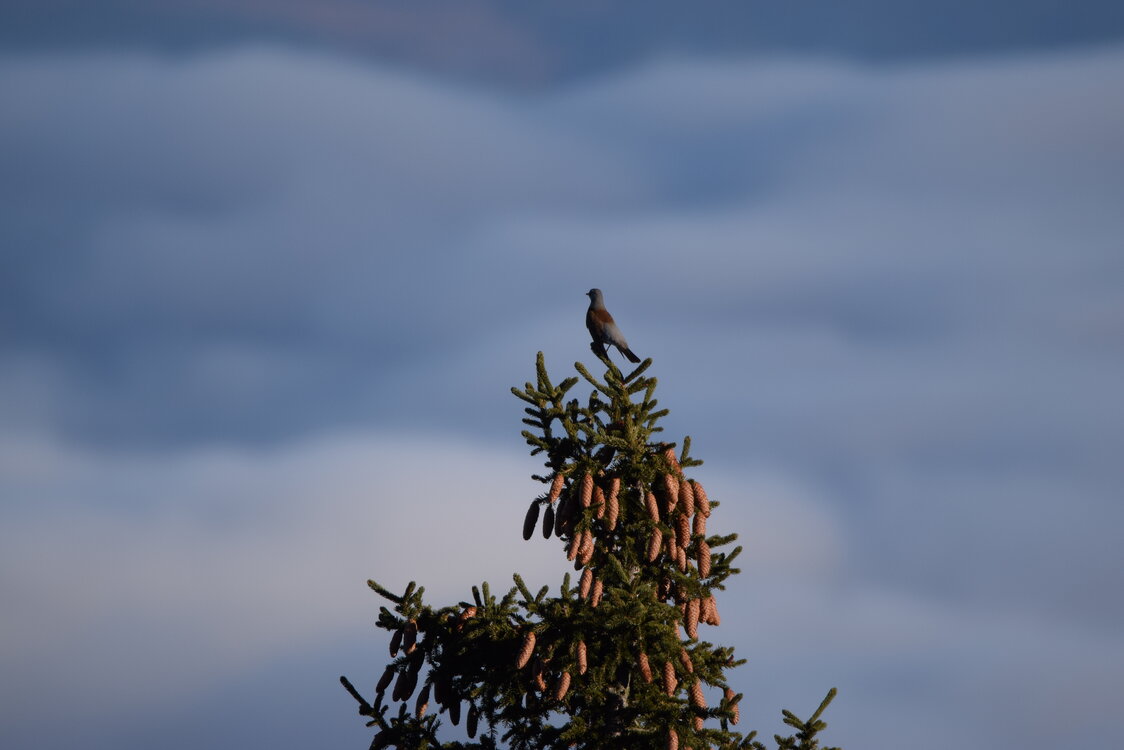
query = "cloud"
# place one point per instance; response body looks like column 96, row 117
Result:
column 255, row 293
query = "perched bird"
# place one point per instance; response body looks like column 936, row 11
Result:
column 604, row 329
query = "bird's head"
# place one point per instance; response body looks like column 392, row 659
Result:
column 594, row 294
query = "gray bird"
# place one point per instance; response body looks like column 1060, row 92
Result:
column 604, row 329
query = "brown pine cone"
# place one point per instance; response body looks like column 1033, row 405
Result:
column 598, row 502
column 583, row 663
column 670, row 683
column 672, row 739
column 598, row 590
column 698, row 700
column 395, row 642
column 423, row 702
column 585, row 552
column 526, row 649
column 671, row 491
column 612, row 507
column 710, row 608
column 586, row 490
column 654, row 542
column 682, row 530
column 585, row 583
column 562, row 686
column 538, row 669
column 410, row 636
column 692, row 619
column 575, row 545
column 653, row 507
column 733, row 706
column 644, row 666
column 686, row 659
column 669, row 454
column 687, row 497
column 702, row 503
column 556, row 486
column 699, row 525
column 704, row 558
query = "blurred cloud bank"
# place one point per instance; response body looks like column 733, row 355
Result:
column 250, row 295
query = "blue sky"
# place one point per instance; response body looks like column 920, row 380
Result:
column 263, row 274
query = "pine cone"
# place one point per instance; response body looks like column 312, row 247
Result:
column 562, row 686
column 653, row 507
column 404, row 687
column 586, row 582
column 682, row 530
column 686, row 659
column 384, row 681
column 556, row 486
column 698, row 723
column 410, row 636
column 473, row 720
column 699, row 524
column 423, row 702
column 395, row 642
column 598, row 502
column 564, row 515
column 612, row 511
column 441, row 689
column 710, row 609
column 575, row 545
column 548, row 521
column 672, row 739
column 671, row 491
column 585, row 552
column 730, row 694
column 669, row 454
column 526, row 649
column 538, row 668
column 455, row 711
column 692, row 620
column 704, row 559
column 702, row 503
column 645, row 667
column 598, row 590
column 670, row 683
column 654, row 542
column 531, row 520
column 587, row 490
column 583, row 663
column 682, row 556
column 698, row 700
column 687, row 497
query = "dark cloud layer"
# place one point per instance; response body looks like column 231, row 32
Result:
column 532, row 44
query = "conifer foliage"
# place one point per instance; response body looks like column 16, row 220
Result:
column 620, row 657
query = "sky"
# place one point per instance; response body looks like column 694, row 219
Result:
column 270, row 271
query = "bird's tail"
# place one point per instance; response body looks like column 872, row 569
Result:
column 631, row 357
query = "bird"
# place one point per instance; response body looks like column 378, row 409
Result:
column 604, row 329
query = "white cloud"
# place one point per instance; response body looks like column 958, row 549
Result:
column 124, row 569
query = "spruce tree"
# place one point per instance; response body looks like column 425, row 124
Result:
column 619, row 658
